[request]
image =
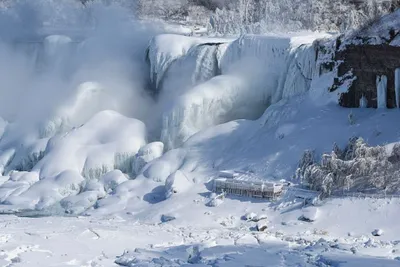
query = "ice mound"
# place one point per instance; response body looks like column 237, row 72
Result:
column 43, row 193
column 91, row 148
column 78, row 167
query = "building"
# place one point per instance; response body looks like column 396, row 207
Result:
column 248, row 188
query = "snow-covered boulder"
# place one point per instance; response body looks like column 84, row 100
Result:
column 146, row 154
column 309, row 214
column 177, row 182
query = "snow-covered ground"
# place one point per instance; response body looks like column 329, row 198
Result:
column 210, row 236
column 110, row 141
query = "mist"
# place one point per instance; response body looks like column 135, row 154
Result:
column 62, row 62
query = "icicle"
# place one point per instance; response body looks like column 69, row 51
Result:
column 363, row 102
column 381, row 86
column 397, row 87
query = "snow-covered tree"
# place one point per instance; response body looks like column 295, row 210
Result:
column 358, row 167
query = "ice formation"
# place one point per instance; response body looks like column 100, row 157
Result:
column 91, row 149
column 397, row 87
column 381, row 87
column 256, row 71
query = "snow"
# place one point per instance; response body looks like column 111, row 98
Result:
column 78, row 146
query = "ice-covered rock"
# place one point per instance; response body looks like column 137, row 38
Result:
column 146, row 154
column 177, row 182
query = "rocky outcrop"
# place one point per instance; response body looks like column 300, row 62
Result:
column 366, row 63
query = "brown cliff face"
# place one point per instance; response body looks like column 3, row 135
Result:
column 366, row 62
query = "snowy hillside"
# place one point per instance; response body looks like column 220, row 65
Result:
column 111, row 137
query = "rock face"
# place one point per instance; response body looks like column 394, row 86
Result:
column 366, row 63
